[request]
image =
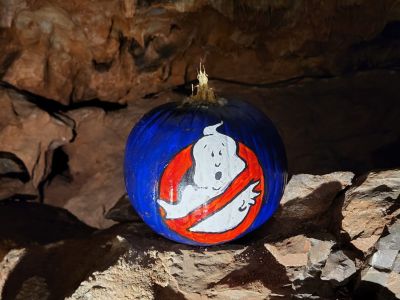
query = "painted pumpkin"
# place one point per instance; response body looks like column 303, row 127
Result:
column 207, row 171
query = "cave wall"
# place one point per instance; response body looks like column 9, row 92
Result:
column 75, row 76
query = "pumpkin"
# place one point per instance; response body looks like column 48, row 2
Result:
column 205, row 171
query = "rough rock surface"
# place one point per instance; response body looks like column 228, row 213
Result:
column 93, row 181
column 128, row 261
column 381, row 276
column 307, row 196
column 116, row 50
column 28, row 137
column 369, row 206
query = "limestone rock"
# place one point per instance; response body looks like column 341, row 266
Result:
column 307, row 196
column 15, row 188
column 123, row 211
column 34, row 288
column 384, row 259
column 55, row 270
column 369, row 206
column 129, row 260
column 307, row 204
column 381, row 277
column 7, row 264
column 338, row 268
column 94, row 180
column 314, row 268
column 28, row 137
column 119, row 50
column 292, row 252
column 24, row 226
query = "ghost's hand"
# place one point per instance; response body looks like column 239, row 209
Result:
column 248, row 196
column 168, row 208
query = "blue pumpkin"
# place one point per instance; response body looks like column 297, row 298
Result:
column 205, row 173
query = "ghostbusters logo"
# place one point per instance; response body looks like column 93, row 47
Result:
column 212, row 190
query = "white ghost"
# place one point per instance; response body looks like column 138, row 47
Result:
column 216, row 165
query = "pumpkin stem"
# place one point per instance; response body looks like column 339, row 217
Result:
column 203, row 92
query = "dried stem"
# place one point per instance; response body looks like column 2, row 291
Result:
column 203, row 92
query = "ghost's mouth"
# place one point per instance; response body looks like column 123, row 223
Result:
column 217, row 165
column 218, row 175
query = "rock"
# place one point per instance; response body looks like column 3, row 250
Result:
column 369, row 206
column 379, row 285
column 182, row 274
column 8, row 263
column 307, row 204
column 34, row 288
column 94, row 181
column 55, row 270
column 292, row 252
column 123, row 211
column 381, row 277
column 75, row 51
column 312, row 265
column 28, row 136
column 393, row 284
column 307, row 196
column 375, row 276
column 396, row 265
column 388, row 247
column 319, row 253
column 15, row 188
column 23, row 224
column 384, row 259
column 392, row 240
column 338, row 268
column 130, row 261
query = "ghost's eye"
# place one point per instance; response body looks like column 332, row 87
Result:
column 220, row 153
column 212, row 154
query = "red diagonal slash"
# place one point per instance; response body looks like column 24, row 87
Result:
column 173, row 175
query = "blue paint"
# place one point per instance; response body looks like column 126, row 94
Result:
column 166, row 130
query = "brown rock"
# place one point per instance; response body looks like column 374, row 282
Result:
column 119, row 50
column 95, row 159
column 8, row 263
column 15, row 188
column 307, row 205
column 155, row 268
column 25, row 225
column 130, row 261
column 369, row 206
column 29, row 135
column 338, row 268
column 381, row 275
column 307, row 196
column 292, row 252
column 123, row 211
column 52, row 46
column 54, row 270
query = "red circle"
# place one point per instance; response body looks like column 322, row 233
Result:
column 168, row 191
